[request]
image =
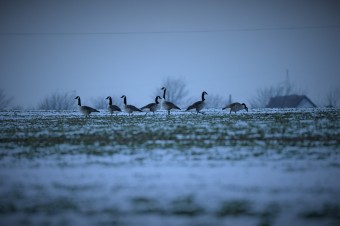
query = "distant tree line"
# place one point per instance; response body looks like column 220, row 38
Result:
column 178, row 93
column 58, row 101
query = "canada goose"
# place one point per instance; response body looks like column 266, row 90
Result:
column 85, row 110
column 236, row 107
column 152, row 107
column 129, row 108
column 199, row 105
column 167, row 105
column 112, row 108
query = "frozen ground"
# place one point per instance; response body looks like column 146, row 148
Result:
column 264, row 167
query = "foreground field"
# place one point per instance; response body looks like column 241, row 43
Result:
column 265, row 167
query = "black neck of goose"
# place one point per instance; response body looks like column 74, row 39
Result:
column 110, row 101
column 125, row 100
column 79, row 102
column 164, row 94
column 156, row 100
column 203, row 96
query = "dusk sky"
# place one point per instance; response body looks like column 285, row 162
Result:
column 101, row 48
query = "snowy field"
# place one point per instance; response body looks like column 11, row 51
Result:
column 262, row 167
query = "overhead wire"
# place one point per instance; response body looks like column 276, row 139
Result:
column 255, row 29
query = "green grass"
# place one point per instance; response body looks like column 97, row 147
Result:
column 184, row 131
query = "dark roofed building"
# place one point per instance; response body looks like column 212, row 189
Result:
column 291, row 101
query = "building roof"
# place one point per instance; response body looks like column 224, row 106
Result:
column 290, row 101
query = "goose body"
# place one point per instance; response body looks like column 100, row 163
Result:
column 152, row 107
column 167, row 105
column 198, row 105
column 85, row 110
column 112, row 108
column 129, row 108
column 236, row 107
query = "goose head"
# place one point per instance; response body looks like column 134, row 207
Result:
column 124, row 97
column 163, row 88
column 78, row 98
column 204, row 93
column 156, row 100
column 110, row 100
column 245, row 106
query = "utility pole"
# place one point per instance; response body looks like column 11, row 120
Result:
column 287, row 74
column 288, row 84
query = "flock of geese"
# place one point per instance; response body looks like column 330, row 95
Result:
column 153, row 107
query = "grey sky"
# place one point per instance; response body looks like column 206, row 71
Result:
column 39, row 55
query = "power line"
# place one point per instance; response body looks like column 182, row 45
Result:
column 288, row 28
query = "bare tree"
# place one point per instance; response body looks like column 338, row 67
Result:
column 4, row 100
column 102, row 103
column 176, row 90
column 333, row 96
column 58, row 101
column 282, row 89
column 263, row 96
column 99, row 103
column 215, row 101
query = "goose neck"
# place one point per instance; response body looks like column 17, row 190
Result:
column 164, row 93
column 203, row 99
